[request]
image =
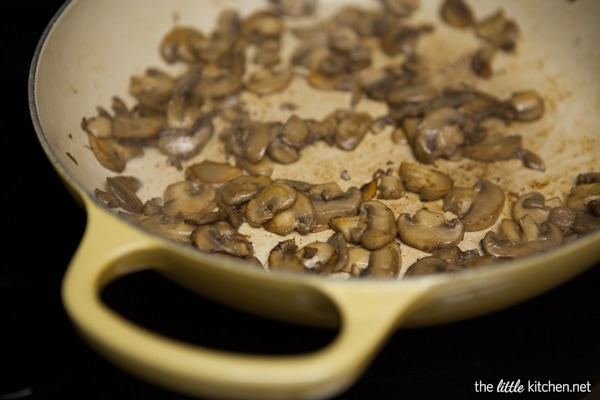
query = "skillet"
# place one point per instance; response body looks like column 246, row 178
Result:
column 66, row 86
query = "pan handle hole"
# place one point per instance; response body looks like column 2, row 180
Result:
column 155, row 303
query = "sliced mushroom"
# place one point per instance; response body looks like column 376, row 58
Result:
column 168, row 227
column 351, row 130
column 283, row 257
column 243, row 188
column 426, row 266
column 266, row 81
column 326, row 210
column 281, row 152
column 439, row 134
column 481, row 61
column 215, row 81
column 429, row 183
column 126, row 126
column 522, row 238
column 527, row 104
column 390, row 187
column 535, row 205
column 178, row 45
column 316, row 255
column 410, row 100
column 497, row 29
column 153, row 90
column 429, row 231
column 221, row 237
column 358, row 262
column 373, row 227
column 495, row 148
column 123, row 189
column 274, row 198
column 212, row 172
column 261, row 25
column 189, row 200
column 457, row 13
column 299, row 217
column 182, row 144
column 478, row 207
column 385, row 262
column 112, row 154
column 183, row 112
column 584, row 197
column 257, row 137
column 325, row 191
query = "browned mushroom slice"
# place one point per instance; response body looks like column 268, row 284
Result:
column 499, row 30
column 495, row 148
column 477, row 105
column 527, row 104
column 316, row 255
column 261, row 25
column 402, row 39
column 588, row 177
column 127, row 126
column 295, row 131
column 531, row 160
column 343, row 206
column 456, row 13
column 325, row 191
column 182, row 144
column 358, row 262
column 535, row 205
column 274, row 198
column 373, row 227
column 429, row 183
column 429, row 231
column 439, row 134
column 178, row 45
column 385, row 262
column 410, row 100
column 563, row 218
column 478, row 207
column 212, row 172
column 426, row 266
column 584, row 197
column 522, row 238
column 254, row 141
column 265, row 81
column 481, row 61
column 152, row 90
column 112, row 154
column 299, row 217
column 283, row 257
column 123, row 189
column 281, row 152
column 351, row 130
column 168, row 227
column 183, row 112
column 189, row 200
column 295, row 8
column 216, row 81
column 243, row 188
column 390, row 187
column 221, row 237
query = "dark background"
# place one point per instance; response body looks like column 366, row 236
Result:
column 552, row 337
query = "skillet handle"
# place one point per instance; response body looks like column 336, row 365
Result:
column 369, row 314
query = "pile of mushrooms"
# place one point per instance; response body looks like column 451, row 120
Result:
column 179, row 115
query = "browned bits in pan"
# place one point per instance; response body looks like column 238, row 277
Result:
column 363, row 226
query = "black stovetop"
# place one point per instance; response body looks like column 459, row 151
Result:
column 553, row 337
